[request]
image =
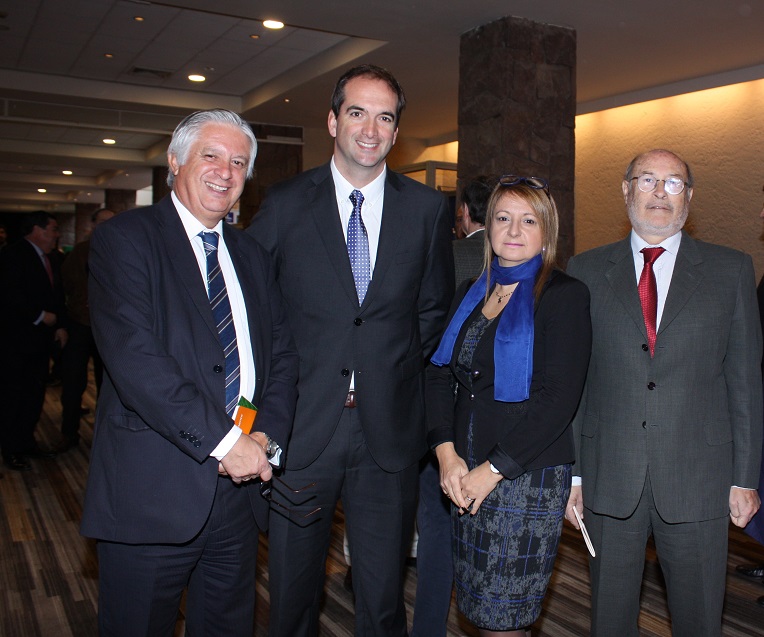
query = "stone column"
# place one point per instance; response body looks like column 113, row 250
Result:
column 517, row 107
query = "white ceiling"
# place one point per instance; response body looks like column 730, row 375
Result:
column 60, row 96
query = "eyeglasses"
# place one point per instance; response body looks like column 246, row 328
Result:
column 266, row 490
column 672, row 185
column 537, row 183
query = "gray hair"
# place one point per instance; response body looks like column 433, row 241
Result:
column 188, row 130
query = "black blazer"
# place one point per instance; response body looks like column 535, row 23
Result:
column 536, row 433
column 161, row 410
column 388, row 338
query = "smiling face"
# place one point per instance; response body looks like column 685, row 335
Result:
column 211, row 181
column 515, row 234
column 657, row 215
column 365, row 129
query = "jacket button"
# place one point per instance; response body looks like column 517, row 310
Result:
column 644, row 425
column 651, row 385
column 197, row 444
column 645, row 348
column 217, row 369
column 476, row 374
column 358, row 321
column 345, row 372
column 472, row 396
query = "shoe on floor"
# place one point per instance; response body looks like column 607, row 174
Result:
column 17, row 462
column 751, row 570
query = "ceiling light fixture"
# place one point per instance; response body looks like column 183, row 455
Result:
column 66, row 172
column 41, row 190
column 139, row 18
column 197, row 78
column 254, row 36
column 108, row 56
column 273, row 24
column 108, row 140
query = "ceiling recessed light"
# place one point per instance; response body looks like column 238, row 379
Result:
column 108, row 56
column 108, row 140
column 197, row 78
column 66, row 172
column 254, row 36
column 138, row 18
column 273, row 24
column 286, row 100
column 41, row 190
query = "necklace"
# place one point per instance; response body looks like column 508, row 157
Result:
column 499, row 297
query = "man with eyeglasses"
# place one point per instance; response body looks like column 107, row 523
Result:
column 669, row 429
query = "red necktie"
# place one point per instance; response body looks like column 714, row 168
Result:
column 648, row 293
column 48, row 269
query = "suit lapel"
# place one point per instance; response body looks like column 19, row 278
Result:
column 684, row 280
column 322, row 201
column 393, row 218
column 623, row 283
column 182, row 259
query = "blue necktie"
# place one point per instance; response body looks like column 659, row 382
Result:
column 358, row 247
column 221, row 311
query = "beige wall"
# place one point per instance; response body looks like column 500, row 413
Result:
column 719, row 132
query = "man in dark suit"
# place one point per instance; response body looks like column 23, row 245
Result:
column 669, row 429
column 367, row 283
column 32, row 320
column 187, row 317
column 435, row 571
column 469, row 252
column 80, row 347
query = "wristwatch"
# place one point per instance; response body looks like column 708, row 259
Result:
column 271, row 446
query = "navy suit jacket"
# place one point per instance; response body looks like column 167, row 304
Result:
column 161, row 410
column 387, row 339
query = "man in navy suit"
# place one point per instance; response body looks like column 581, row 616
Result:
column 364, row 326
column 170, row 494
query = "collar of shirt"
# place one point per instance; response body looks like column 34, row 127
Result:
column 474, row 232
column 191, row 224
column 663, row 267
column 371, row 211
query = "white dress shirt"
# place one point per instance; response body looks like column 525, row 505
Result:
column 371, row 212
column 238, row 308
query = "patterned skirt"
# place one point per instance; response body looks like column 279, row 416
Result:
column 503, row 555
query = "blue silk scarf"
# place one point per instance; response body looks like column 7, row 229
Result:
column 513, row 346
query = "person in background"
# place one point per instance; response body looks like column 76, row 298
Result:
column 517, row 348
column 669, row 429
column 32, row 321
column 80, row 347
column 363, row 258
column 188, row 319
column 468, row 251
column 435, row 573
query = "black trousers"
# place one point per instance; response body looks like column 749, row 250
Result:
column 74, row 376
column 379, row 519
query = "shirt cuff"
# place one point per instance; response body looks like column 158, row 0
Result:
column 227, row 443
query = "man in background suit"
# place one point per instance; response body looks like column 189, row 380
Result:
column 169, row 495
column 80, row 347
column 435, row 573
column 669, row 429
column 32, row 320
column 469, row 252
column 364, row 325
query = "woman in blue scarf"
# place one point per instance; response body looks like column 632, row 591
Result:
column 507, row 379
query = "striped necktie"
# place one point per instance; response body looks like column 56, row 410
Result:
column 221, row 311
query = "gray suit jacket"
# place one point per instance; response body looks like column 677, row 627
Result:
column 468, row 256
column 693, row 413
